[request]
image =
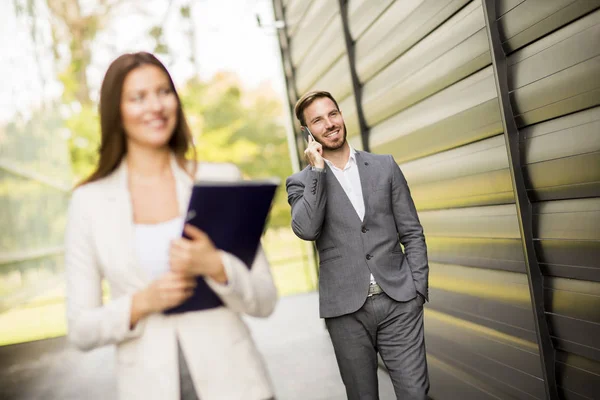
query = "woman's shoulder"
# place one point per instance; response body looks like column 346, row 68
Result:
column 84, row 198
column 95, row 187
column 88, row 189
column 94, row 194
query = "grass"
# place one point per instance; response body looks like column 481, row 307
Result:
column 43, row 316
column 291, row 261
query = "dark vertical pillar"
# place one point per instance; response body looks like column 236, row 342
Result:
column 524, row 208
column 290, row 82
column 364, row 129
column 290, row 72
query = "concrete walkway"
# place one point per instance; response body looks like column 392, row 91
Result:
column 293, row 341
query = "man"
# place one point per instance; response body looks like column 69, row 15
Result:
column 357, row 207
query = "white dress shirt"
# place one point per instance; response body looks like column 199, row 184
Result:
column 152, row 244
column 350, row 181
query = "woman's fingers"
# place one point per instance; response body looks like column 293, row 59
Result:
column 194, row 233
column 172, row 289
column 182, row 244
column 175, row 297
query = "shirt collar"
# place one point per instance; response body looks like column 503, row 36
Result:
column 351, row 159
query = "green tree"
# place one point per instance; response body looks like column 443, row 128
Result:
column 242, row 127
column 229, row 122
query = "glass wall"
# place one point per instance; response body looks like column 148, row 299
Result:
column 35, row 176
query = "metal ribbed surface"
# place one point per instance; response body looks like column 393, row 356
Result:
column 429, row 98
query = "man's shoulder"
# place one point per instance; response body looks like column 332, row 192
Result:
column 372, row 157
column 298, row 176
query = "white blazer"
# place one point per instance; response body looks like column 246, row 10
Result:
column 222, row 357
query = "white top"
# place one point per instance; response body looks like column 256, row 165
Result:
column 350, row 181
column 152, row 244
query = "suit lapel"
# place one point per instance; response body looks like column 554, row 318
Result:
column 122, row 212
column 183, row 185
column 366, row 179
column 366, row 175
column 122, row 217
column 339, row 194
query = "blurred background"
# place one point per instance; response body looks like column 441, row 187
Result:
column 55, row 55
column 491, row 109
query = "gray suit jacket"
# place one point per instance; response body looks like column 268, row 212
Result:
column 351, row 249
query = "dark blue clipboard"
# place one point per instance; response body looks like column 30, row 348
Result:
column 234, row 216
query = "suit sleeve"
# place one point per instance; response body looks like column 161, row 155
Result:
column 409, row 229
column 307, row 197
column 248, row 290
column 90, row 323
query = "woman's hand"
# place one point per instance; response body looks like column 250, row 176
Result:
column 197, row 256
column 168, row 291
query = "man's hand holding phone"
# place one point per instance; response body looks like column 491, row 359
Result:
column 314, row 151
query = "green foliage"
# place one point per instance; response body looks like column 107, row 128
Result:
column 35, row 143
column 156, row 32
column 161, row 48
column 231, row 125
column 185, row 11
column 228, row 124
column 68, row 78
column 84, row 141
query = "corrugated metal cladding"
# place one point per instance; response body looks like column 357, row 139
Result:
column 428, row 96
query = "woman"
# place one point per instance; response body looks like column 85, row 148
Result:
column 124, row 226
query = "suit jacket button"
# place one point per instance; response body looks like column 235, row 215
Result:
column 364, row 230
column 369, row 256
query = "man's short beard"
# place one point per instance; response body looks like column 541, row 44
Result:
column 328, row 148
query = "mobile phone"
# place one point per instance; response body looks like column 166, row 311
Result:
column 306, row 133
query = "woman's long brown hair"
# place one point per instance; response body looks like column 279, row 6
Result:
column 113, row 145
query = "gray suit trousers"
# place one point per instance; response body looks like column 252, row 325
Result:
column 395, row 330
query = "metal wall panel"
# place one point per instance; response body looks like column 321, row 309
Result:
column 561, row 156
column 468, row 109
column 481, row 169
column 480, row 222
column 336, row 80
column 362, row 13
column 577, row 375
column 554, row 82
column 493, row 253
column 527, row 21
column 402, row 25
column 453, row 51
column 322, row 55
column 312, row 25
column 454, row 384
column 294, row 12
column 429, row 97
column 508, row 363
column 558, row 74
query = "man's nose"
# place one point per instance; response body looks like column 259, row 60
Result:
column 328, row 123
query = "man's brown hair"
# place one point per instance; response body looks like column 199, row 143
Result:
column 307, row 99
